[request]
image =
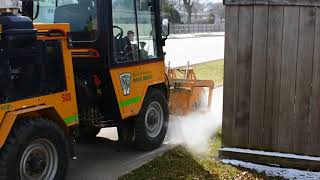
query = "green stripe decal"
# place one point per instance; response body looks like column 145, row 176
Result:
column 130, row 101
column 72, row 119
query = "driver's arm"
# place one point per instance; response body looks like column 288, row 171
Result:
column 128, row 45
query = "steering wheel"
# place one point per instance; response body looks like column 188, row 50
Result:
column 120, row 34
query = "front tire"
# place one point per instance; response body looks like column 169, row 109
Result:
column 35, row 149
column 151, row 124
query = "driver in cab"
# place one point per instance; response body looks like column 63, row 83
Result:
column 127, row 40
column 130, row 48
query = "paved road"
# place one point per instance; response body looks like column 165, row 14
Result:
column 104, row 159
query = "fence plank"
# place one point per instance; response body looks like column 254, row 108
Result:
column 244, row 75
column 304, row 77
column 258, row 75
column 274, row 2
column 271, row 116
column 275, row 78
column 288, row 77
column 314, row 138
column 231, row 57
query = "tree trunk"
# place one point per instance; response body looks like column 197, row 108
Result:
column 188, row 4
column 189, row 18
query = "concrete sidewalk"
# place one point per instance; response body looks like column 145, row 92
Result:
column 195, row 50
column 104, row 159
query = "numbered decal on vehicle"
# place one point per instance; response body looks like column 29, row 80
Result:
column 66, row 97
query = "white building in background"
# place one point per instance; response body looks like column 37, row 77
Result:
column 201, row 17
column 195, row 18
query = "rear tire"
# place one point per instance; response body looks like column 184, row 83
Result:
column 151, row 125
column 37, row 149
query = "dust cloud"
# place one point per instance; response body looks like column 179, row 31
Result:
column 196, row 129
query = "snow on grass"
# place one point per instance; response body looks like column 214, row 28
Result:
column 193, row 35
column 275, row 154
column 196, row 50
column 275, row 171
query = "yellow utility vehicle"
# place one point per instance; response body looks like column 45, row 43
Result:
column 71, row 67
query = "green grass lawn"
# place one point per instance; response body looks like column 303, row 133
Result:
column 212, row 70
column 178, row 163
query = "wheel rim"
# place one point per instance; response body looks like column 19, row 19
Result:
column 154, row 119
column 39, row 161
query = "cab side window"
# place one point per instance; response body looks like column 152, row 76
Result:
column 147, row 29
column 134, row 32
column 125, row 42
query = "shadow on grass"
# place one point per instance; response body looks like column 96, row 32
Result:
column 175, row 164
column 178, row 163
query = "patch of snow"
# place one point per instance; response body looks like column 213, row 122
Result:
column 211, row 33
column 275, row 171
column 274, row 154
column 195, row 50
column 181, row 36
column 193, row 35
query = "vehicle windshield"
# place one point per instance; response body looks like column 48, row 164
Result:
column 80, row 14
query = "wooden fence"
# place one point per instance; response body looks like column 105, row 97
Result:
column 272, row 76
column 196, row 28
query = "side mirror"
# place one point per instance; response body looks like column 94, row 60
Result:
column 165, row 30
column 165, row 27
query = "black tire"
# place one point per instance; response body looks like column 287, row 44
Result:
column 25, row 135
column 143, row 140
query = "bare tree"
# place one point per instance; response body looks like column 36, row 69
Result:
column 216, row 8
column 169, row 11
column 188, row 5
column 176, row 3
column 198, row 7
